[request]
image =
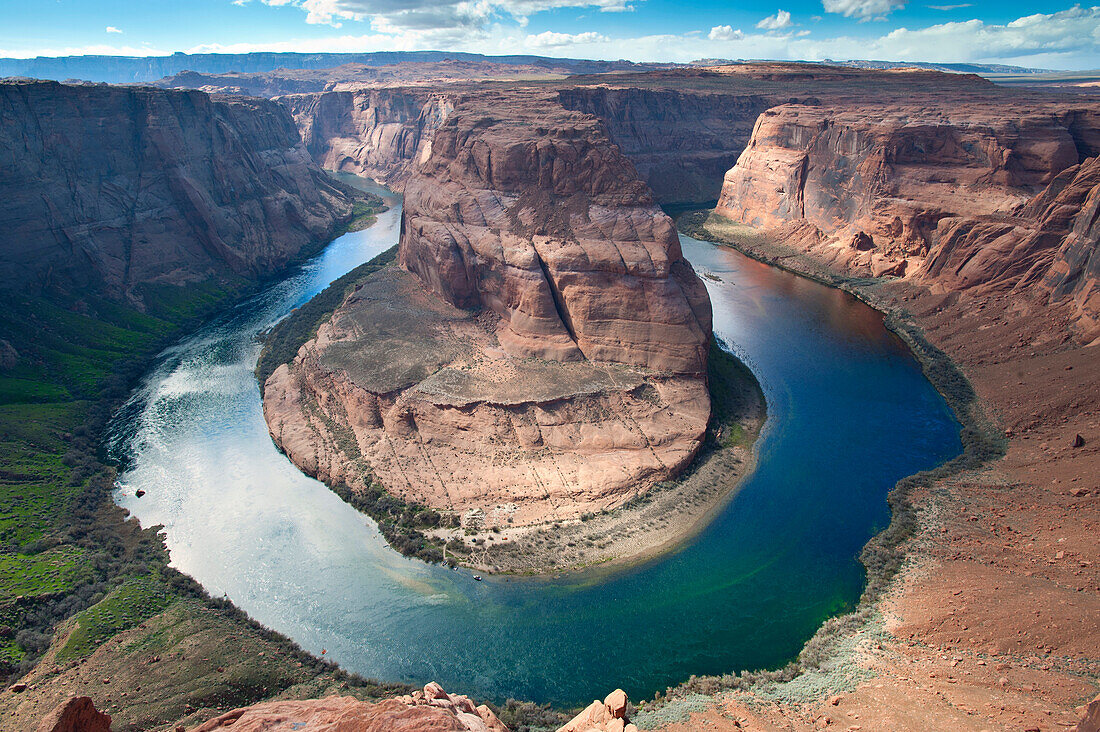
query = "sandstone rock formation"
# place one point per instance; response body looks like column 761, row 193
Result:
column 1090, row 721
column 538, row 218
column 77, row 714
column 606, row 716
column 369, row 132
column 549, row 357
column 957, row 196
column 173, row 187
column 430, row 710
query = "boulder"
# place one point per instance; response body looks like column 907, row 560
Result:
column 77, row 714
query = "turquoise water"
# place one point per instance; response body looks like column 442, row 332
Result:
column 849, row 414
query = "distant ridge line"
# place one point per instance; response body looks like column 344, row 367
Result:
column 138, row 69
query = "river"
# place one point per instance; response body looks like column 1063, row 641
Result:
column 850, row 413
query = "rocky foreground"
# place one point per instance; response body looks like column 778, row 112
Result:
column 542, row 351
column 432, row 709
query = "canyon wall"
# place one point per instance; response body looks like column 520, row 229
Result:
column 681, row 142
column 542, row 354
column 985, row 195
column 110, row 188
column 369, row 132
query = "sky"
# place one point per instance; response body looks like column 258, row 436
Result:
column 1019, row 32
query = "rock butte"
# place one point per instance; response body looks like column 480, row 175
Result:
column 548, row 356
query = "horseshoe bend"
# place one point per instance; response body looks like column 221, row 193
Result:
column 540, row 349
column 544, row 347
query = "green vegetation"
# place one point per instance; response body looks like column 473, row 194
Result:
column 124, row 607
column 401, row 523
column 65, row 363
column 364, row 212
column 283, row 341
column 52, row 572
column 732, row 389
column 525, row 716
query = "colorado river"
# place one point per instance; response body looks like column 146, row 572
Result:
column 849, row 414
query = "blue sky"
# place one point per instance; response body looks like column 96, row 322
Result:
column 1014, row 32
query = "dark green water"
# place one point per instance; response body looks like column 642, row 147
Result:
column 849, row 414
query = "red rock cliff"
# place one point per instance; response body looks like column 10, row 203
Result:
column 971, row 195
column 369, row 132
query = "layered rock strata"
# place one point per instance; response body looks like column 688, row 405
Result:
column 964, row 197
column 369, row 132
column 546, row 356
column 173, row 187
column 682, row 143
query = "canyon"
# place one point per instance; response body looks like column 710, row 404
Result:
column 558, row 324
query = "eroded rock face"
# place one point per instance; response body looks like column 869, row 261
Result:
column 546, row 356
column 430, row 710
column 681, row 142
column 369, row 132
column 174, row 187
column 403, row 388
column 957, row 196
column 537, row 217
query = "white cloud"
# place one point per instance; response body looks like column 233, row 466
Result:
column 725, row 33
column 549, row 39
column 951, row 7
column 437, row 14
column 1067, row 39
column 781, row 19
column 863, row 9
column 112, row 29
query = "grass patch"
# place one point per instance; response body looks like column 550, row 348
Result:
column 402, row 524
column 733, row 388
column 127, row 605
column 364, row 212
column 52, row 572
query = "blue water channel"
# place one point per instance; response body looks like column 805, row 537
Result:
column 849, row 413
